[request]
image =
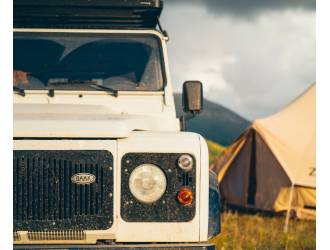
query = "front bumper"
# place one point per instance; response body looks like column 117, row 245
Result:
column 120, row 247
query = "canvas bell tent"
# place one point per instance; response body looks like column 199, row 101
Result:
column 271, row 166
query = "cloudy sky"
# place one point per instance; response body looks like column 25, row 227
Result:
column 253, row 56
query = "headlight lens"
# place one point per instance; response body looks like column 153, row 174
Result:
column 147, row 183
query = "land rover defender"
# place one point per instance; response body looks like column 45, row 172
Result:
column 100, row 158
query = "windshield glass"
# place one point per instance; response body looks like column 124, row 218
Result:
column 73, row 61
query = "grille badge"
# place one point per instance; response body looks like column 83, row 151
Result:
column 83, row 178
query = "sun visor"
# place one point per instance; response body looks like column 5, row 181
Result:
column 96, row 14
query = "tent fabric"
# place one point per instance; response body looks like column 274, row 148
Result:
column 291, row 136
column 271, row 156
column 303, row 199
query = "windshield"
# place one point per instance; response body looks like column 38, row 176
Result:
column 72, row 61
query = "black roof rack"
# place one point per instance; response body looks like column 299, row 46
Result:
column 122, row 14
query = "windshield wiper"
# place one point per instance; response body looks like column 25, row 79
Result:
column 64, row 81
column 19, row 90
column 114, row 92
column 90, row 83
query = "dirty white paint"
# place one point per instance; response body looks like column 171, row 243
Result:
column 164, row 142
column 133, row 122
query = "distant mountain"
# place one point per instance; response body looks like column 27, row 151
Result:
column 216, row 122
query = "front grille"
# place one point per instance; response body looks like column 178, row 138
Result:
column 46, row 199
column 57, row 235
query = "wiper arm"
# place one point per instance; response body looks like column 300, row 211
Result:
column 114, row 92
column 19, row 90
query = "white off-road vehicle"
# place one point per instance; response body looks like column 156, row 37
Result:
column 100, row 158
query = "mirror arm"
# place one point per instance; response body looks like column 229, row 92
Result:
column 185, row 118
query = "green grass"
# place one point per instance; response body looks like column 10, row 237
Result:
column 258, row 232
column 214, row 150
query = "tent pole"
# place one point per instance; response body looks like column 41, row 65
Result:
column 287, row 218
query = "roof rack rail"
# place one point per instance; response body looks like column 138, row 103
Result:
column 97, row 14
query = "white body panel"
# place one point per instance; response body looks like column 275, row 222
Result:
column 183, row 142
column 151, row 142
column 85, row 121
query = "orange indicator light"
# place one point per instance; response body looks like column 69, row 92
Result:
column 185, row 196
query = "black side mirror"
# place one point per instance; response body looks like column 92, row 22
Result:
column 192, row 97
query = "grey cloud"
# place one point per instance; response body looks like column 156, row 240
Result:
column 252, row 67
column 246, row 8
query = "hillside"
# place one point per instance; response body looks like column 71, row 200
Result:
column 215, row 123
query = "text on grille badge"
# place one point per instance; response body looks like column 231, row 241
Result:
column 83, row 178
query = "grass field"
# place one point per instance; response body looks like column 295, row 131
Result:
column 214, row 150
column 259, row 232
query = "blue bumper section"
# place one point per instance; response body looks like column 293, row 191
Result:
column 214, row 206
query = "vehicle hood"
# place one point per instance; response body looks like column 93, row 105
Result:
column 83, row 121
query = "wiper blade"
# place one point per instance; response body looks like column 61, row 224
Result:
column 66, row 81
column 114, row 92
column 19, row 90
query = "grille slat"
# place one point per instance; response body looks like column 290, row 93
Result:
column 97, row 188
column 101, row 187
column 25, row 189
column 77, row 188
column 87, row 192
column 29, row 188
column 57, row 196
column 82, row 192
column 61, row 189
column 66, row 190
column 48, row 185
column 51, row 191
column 35, row 176
column 40, row 206
column 15, row 191
column 92, row 190
column 46, row 199
column 73, row 192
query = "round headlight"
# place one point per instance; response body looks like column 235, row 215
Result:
column 185, row 162
column 147, row 183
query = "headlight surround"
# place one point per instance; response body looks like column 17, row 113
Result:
column 147, row 183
